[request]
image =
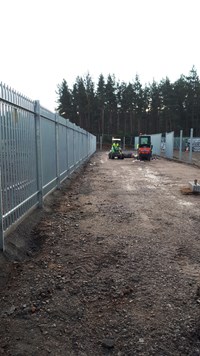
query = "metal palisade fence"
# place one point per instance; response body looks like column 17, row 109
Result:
column 38, row 150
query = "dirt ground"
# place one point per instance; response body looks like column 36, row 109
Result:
column 111, row 267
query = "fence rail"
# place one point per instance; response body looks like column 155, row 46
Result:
column 38, row 150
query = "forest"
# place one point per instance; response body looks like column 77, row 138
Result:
column 111, row 107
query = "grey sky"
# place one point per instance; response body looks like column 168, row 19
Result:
column 44, row 41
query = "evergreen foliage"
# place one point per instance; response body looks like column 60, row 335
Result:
column 117, row 108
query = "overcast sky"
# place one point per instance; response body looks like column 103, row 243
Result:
column 44, row 41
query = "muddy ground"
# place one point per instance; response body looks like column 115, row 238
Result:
column 111, row 268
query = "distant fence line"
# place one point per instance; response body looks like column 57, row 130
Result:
column 173, row 147
column 38, row 150
column 186, row 149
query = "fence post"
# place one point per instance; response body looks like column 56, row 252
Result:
column 39, row 153
column 67, row 143
column 191, row 139
column 79, row 134
column 88, row 141
column 57, row 152
column 1, row 217
column 82, row 145
column 180, row 145
column 74, row 153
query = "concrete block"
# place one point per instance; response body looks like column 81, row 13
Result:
column 194, row 186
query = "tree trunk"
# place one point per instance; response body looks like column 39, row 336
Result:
column 102, row 121
column 131, row 122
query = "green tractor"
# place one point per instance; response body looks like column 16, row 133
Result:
column 116, row 150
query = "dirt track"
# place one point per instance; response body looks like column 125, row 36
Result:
column 118, row 270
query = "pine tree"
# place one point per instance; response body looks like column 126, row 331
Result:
column 138, row 102
column 80, row 103
column 180, row 95
column 169, row 108
column 111, row 104
column 128, row 109
column 155, row 106
column 64, row 100
column 192, row 100
column 89, row 90
column 101, row 99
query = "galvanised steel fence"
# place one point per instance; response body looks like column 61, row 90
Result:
column 38, row 150
column 182, row 148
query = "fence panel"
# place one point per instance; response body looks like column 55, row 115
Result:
column 187, row 149
column 63, row 152
column 18, row 162
column 169, row 144
column 38, row 149
column 76, row 147
column 48, row 140
column 71, row 148
column 136, row 142
column 156, row 142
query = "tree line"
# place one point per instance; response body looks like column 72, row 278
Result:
column 127, row 109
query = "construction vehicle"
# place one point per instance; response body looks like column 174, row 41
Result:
column 116, row 150
column 144, row 147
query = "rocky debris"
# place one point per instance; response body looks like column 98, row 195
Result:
column 108, row 343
